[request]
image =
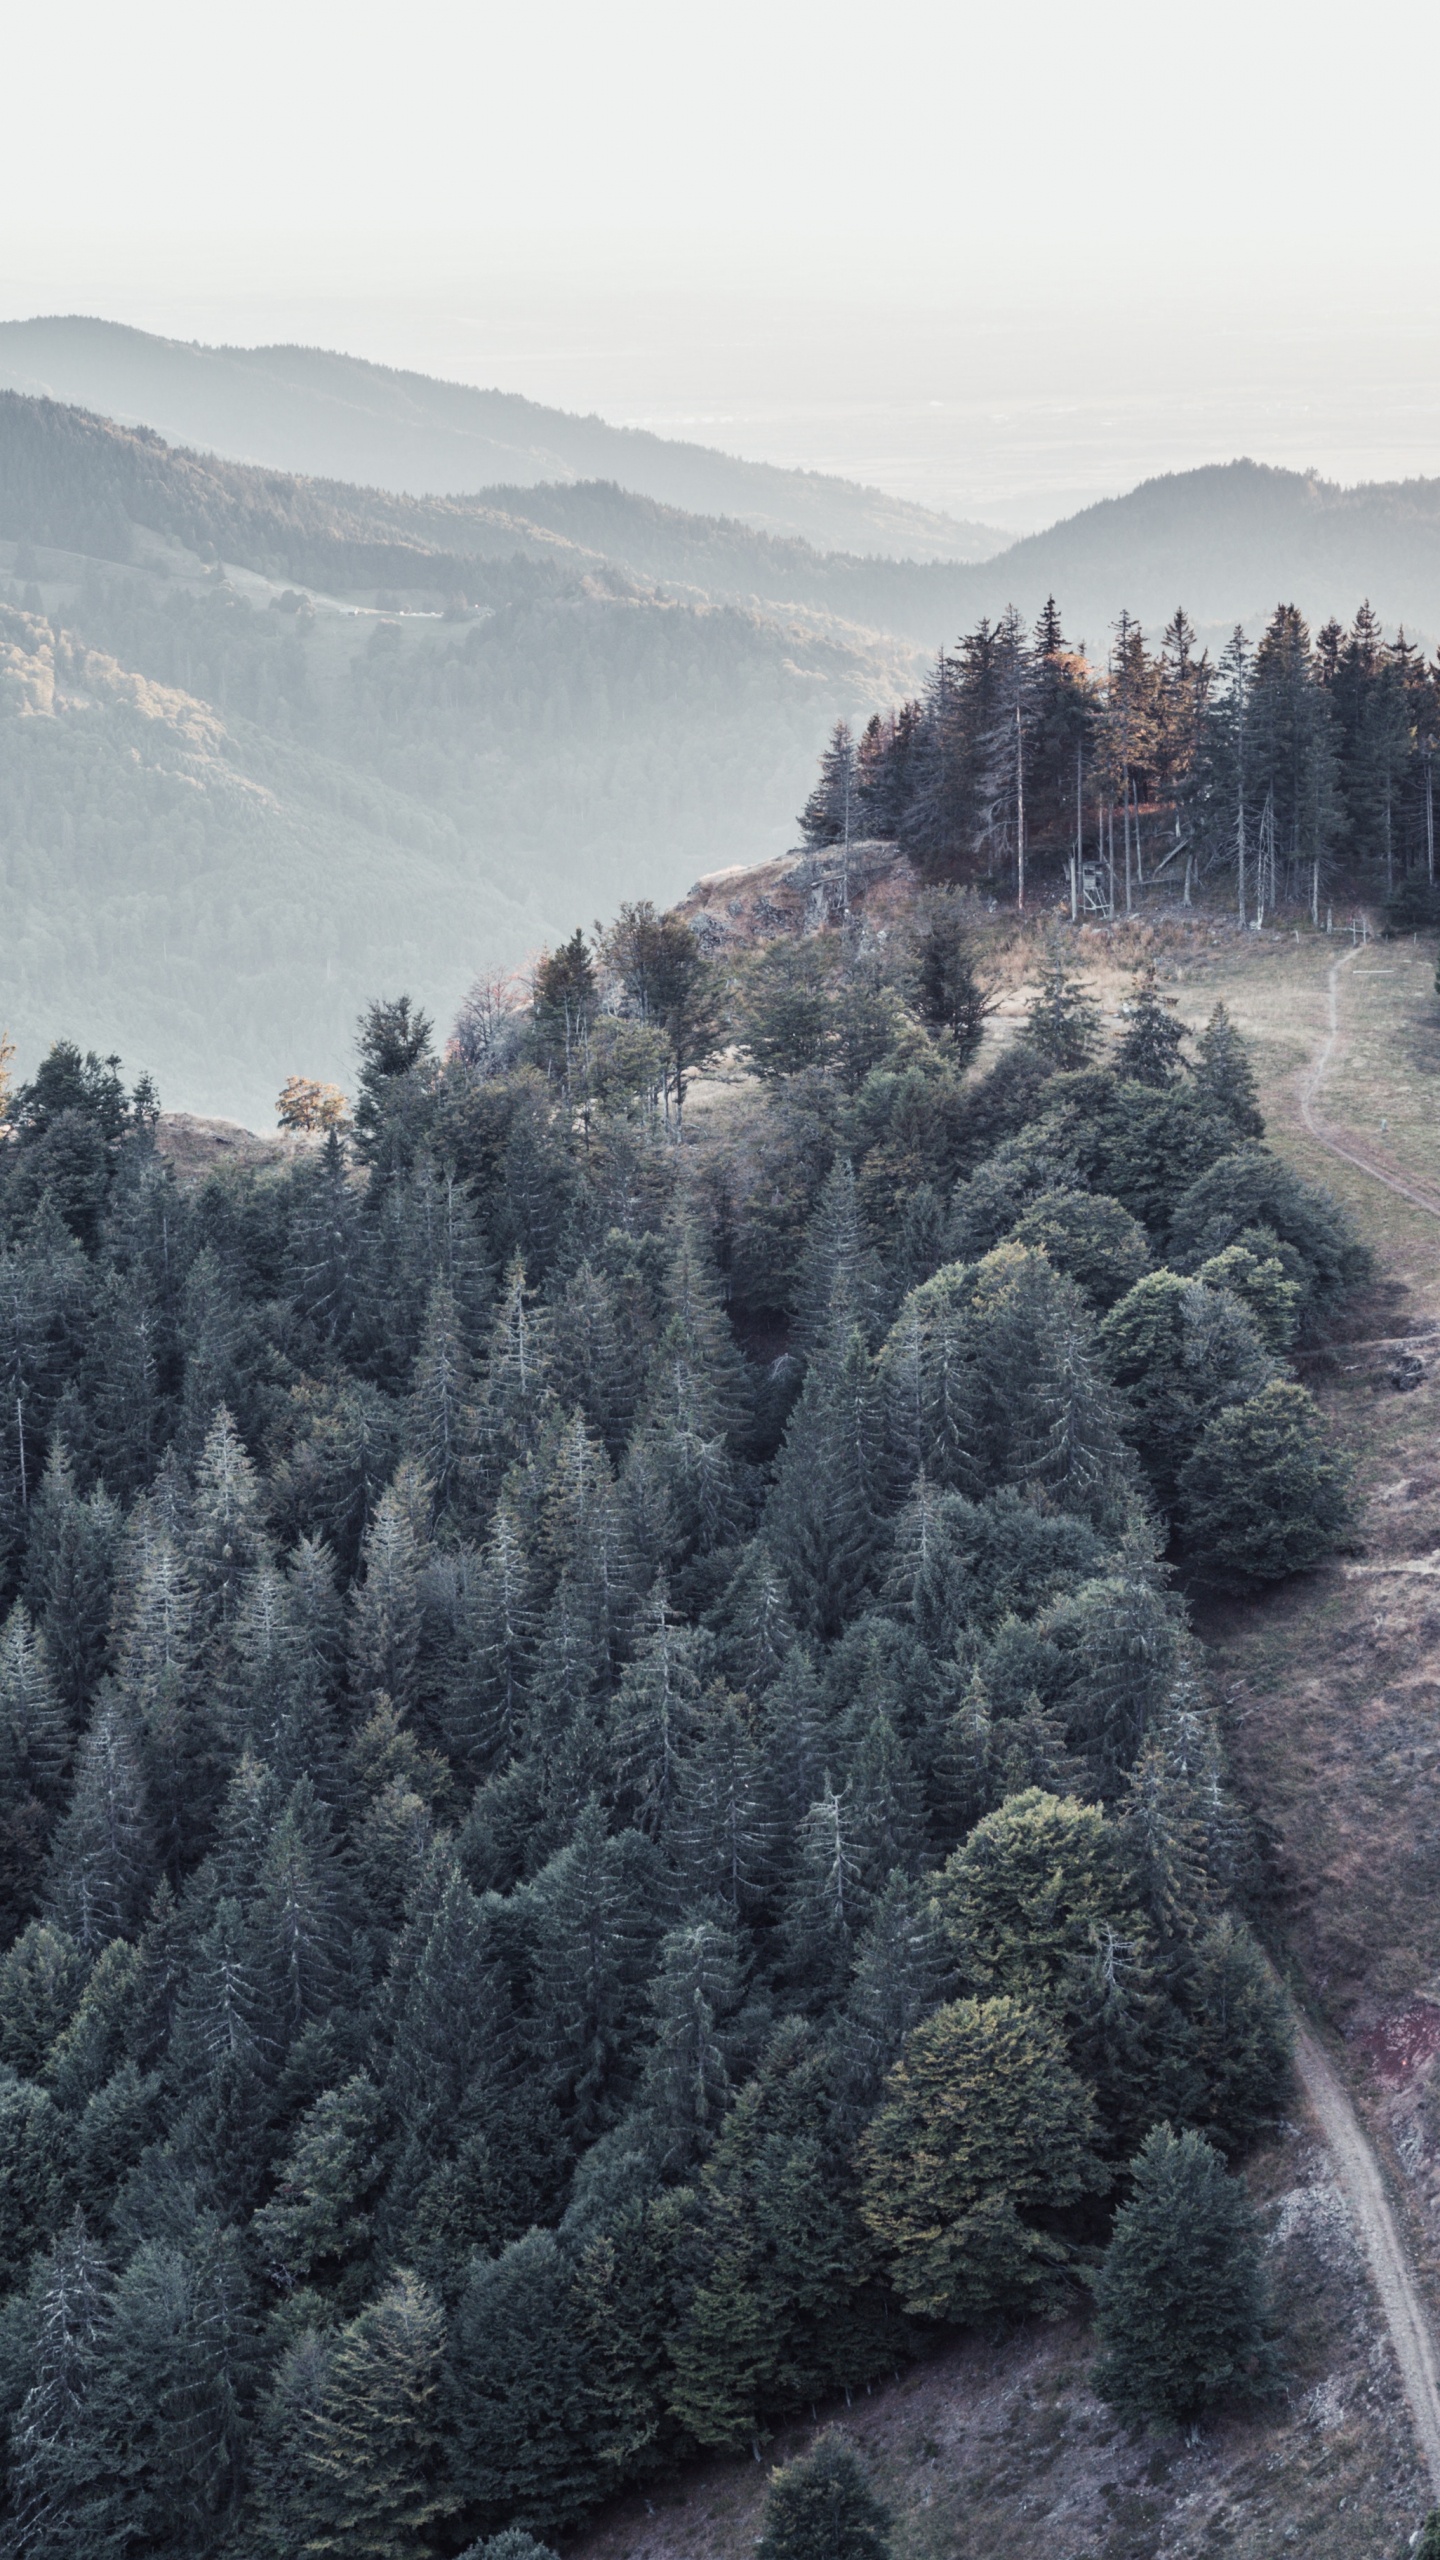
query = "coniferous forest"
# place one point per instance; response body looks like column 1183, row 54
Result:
column 611, row 1816
column 1288, row 769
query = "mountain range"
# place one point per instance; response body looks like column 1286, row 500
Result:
column 337, row 417
column 270, row 742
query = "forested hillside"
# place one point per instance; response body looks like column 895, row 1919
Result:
column 1283, row 772
column 209, row 843
column 612, row 1815
column 305, row 409
column 258, row 731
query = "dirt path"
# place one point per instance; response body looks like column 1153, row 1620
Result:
column 1349, row 2145
column 1383, row 2243
column 1352, row 1149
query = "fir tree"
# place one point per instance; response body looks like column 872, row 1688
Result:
column 57, row 2464
column 1180, row 2302
column 686, row 2083
column 821, row 2507
column 386, row 1629
column 831, row 814
column 1224, row 1077
column 821, row 1521
column 1262, row 1496
column 1150, row 1049
column 596, row 1910
column 1063, row 1023
column 69, row 1562
column 515, row 2398
column 440, row 1424
column 366, row 2451
column 102, row 1866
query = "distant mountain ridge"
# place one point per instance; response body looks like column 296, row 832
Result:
column 339, row 417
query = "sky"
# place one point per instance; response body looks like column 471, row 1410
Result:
column 1003, row 259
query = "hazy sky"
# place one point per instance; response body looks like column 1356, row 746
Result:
column 1003, row 258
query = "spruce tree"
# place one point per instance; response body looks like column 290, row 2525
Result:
column 821, row 1522
column 103, row 1863
column 1149, row 1051
column 1262, row 1495
column 1181, row 2310
column 69, row 1563
column 1063, row 1023
column 367, row 2478
column 515, row 2392
column 56, row 2462
column 694, row 1991
column 822, row 2507
column 1224, row 1077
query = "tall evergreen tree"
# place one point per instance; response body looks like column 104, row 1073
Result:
column 1180, row 2301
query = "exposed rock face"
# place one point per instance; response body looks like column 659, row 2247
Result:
column 797, row 893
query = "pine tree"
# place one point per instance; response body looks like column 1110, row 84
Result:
column 1180, row 2301
column 822, row 2507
